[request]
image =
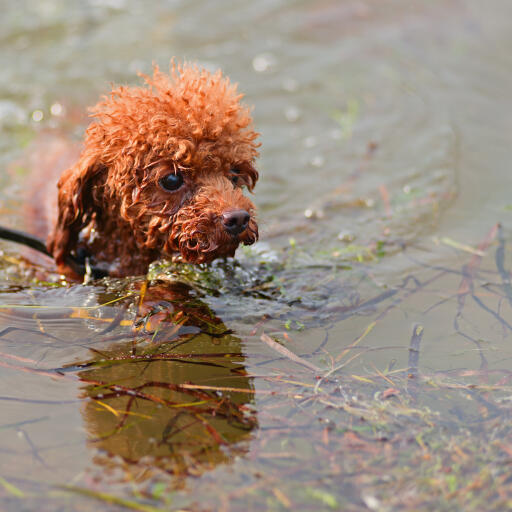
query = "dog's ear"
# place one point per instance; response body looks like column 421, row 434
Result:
column 76, row 199
column 252, row 177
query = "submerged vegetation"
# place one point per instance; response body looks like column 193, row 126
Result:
column 175, row 387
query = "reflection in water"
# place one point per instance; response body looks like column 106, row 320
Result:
column 170, row 398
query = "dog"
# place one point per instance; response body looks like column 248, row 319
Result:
column 161, row 174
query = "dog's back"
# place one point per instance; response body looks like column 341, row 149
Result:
column 47, row 157
column 50, row 155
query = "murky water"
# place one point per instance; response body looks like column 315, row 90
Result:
column 359, row 356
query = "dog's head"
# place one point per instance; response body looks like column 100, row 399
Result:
column 165, row 164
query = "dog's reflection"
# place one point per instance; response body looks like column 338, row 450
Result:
column 176, row 396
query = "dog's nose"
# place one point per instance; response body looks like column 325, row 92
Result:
column 235, row 221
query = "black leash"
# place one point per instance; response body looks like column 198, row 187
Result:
column 80, row 267
column 24, row 238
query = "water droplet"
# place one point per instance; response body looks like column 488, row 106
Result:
column 292, row 114
column 37, row 115
column 311, row 213
column 57, row 109
column 263, row 62
column 318, row 161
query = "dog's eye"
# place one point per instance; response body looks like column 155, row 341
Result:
column 234, row 176
column 172, row 182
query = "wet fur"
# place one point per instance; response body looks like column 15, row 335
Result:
column 110, row 202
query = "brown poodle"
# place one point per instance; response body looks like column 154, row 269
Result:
column 162, row 173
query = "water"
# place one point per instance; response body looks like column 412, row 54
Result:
column 384, row 204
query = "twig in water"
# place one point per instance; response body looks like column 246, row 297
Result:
column 287, row 353
column 414, row 349
column 500, row 264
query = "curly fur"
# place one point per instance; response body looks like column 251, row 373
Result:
column 110, row 203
